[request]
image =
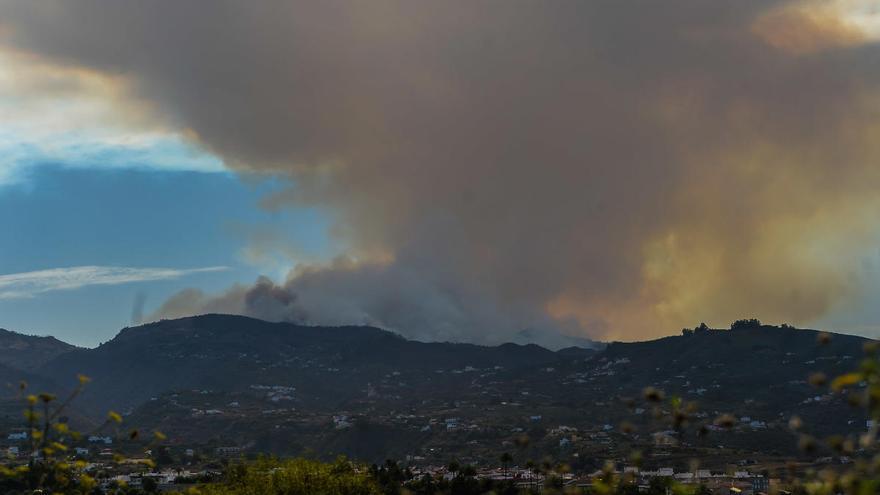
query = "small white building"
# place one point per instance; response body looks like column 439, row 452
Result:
column 341, row 422
column 21, row 435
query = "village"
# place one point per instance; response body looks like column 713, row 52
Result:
column 98, row 458
column 113, row 462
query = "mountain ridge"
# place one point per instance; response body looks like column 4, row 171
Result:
column 28, row 352
column 282, row 387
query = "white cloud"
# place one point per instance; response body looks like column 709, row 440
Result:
column 72, row 117
column 864, row 14
column 28, row 284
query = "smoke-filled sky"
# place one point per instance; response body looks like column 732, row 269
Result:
column 483, row 171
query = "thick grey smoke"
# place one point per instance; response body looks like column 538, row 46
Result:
column 593, row 168
column 381, row 295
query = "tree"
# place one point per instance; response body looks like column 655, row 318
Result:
column 660, row 486
column 390, row 476
column 506, row 459
column 465, row 483
column 453, row 467
column 163, row 457
column 745, row 323
column 150, row 485
column 423, row 486
column 294, row 477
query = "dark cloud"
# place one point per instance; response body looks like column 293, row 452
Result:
column 600, row 168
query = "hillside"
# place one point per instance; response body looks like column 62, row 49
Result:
column 28, row 352
column 397, row 398
column 326, row 365
column 219, row 380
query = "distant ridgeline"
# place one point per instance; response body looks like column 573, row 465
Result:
column 220, row 381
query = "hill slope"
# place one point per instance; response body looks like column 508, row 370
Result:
column 27, row 352
column 277, row 387
column 231, row 353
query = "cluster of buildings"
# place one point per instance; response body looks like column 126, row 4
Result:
column 743, row 482
column 736, row 483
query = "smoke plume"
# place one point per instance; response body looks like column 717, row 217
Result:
column 603, row 169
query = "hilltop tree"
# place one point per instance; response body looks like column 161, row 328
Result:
column 745, row 323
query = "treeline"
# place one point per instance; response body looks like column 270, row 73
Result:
column 743, row 324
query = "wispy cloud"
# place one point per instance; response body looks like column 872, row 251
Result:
column 28, row 284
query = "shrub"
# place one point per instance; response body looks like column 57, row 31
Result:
column 293, row 477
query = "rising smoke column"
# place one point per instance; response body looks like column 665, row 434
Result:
column 611, row 169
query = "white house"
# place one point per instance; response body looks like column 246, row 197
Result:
column 21, row 435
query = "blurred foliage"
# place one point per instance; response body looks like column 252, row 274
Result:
column 293, row 477
column 49, row 466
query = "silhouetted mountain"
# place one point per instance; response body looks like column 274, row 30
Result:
column 223, row 352
column 279, row 387
column 28, row 352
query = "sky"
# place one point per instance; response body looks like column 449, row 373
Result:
column 483, row 172
column 64, row 265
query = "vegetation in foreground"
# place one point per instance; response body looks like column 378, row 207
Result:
column 293, row 477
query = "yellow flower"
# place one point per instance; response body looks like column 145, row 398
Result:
column 847, row 380
column 87, row 482
column 114, row 416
